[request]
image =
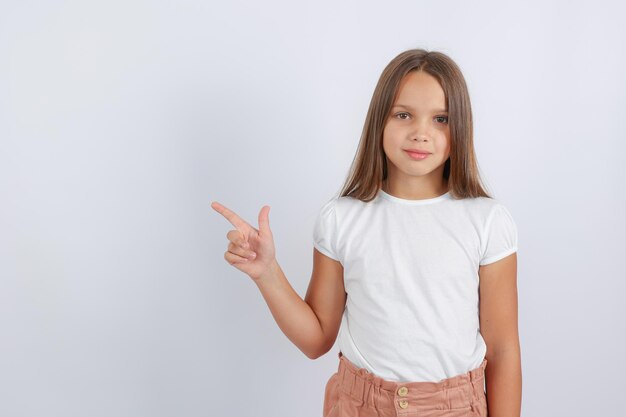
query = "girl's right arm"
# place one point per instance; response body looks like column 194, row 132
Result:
column 311, row 324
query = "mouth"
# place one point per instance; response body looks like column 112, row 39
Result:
column 417, row 155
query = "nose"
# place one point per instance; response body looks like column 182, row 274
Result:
column 419, row 130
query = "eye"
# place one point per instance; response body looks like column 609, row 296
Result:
column 442, row 117
column 399, row 115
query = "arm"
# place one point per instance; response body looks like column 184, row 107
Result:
column 498, row 326
column 311, row 324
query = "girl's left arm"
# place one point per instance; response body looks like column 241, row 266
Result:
column 498, row 326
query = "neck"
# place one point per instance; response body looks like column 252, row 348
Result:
column 415, row 192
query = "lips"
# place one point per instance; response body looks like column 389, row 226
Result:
column 417, row 151
column 417, row 156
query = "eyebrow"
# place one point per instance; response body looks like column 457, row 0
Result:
column 411, row 108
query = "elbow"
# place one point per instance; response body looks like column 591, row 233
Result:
column 313, row 357
column 317, row 353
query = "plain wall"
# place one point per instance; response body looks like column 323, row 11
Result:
column 120, row 121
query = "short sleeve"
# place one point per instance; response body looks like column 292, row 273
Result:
column 325, row 230
column 500, row 236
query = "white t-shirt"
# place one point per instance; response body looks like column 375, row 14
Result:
column 411, row 278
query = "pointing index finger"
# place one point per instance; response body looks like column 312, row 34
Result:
column 230, row 215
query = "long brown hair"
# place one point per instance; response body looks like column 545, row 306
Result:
column 369, row 166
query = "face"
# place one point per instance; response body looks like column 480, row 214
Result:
column 418, row 120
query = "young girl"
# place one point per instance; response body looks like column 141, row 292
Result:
column 414, row 264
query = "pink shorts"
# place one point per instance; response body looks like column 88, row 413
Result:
column 356, row 392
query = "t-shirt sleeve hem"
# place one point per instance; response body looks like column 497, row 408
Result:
column 501, row 255
column 325, row 252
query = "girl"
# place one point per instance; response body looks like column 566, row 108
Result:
column 414, row 264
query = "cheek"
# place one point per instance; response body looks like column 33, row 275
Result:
column 385, row 146
column 387, row 138
column 447, row 148
column 390, row 135
column 445, row 144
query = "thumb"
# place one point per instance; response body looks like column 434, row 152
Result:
column 264, row 219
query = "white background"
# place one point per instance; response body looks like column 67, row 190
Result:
column 120, row 121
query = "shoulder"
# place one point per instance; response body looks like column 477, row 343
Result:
column 343, row 203
column 484, row 207
column 336, row 205
column 480, row 203
column 346, row 211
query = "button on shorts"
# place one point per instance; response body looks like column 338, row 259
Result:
column 356, row 392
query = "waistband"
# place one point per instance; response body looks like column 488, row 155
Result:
column 356, row 379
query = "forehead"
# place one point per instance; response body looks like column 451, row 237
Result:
column 420, row 89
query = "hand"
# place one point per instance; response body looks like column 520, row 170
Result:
column 250, row 250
